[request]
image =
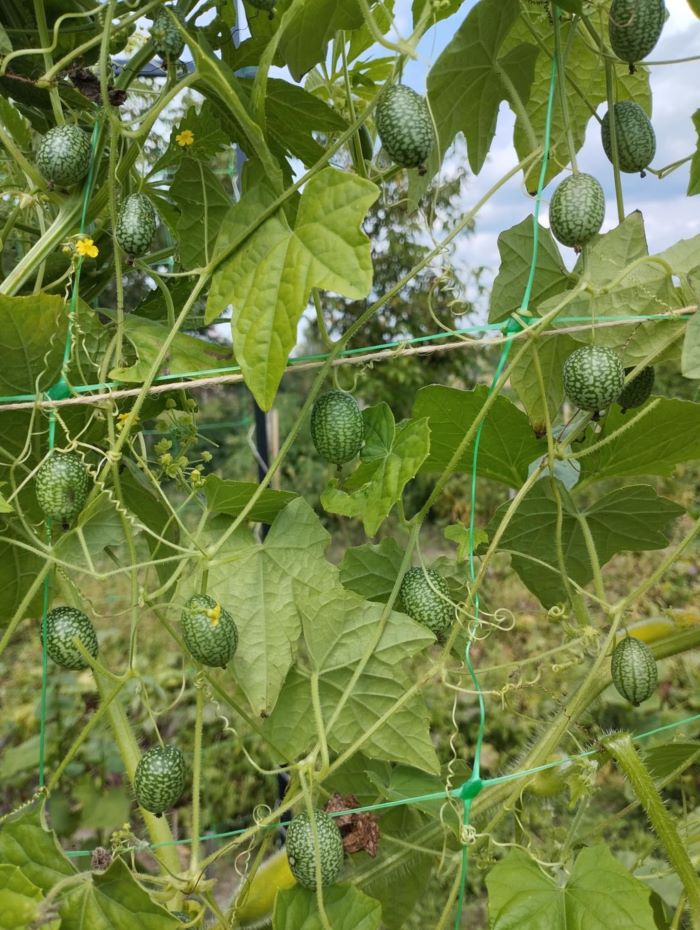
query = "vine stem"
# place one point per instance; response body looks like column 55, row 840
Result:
column 158, row 827
column 622, row 750
column 43, row 28
column 561, row 80
column 197, row 776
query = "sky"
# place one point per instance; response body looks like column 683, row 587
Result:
column 668, row 213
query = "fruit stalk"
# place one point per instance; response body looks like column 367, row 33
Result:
column 622, row 750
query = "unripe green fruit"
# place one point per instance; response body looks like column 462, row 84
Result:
column 425, row 597
column 136, row 224
column 638, row 390
column 577, row 210
column 166, row 36
column 634, row 27
column 404, row 126
column 593, row 377
column 636, row 142
column 63, row 625
column 62, row 484
column 633, row 670
column 209, row 631
column 302, row 849
column 337, row 429
column 366, row 143
column 160, row 778
column 63, row 156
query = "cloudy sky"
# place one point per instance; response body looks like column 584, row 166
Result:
column 669, row 215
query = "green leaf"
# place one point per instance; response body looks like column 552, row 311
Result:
column 230, row 497
column 632, row 519
column 663, row 760
column 572, row 6
column 316, row 22
column 668, row 435
column 294, row 115
column 269, row 279
column 100, row 527
column 552, row 352
column 347, row 908
column 33, row 332
column 261, row 582
column 25, row 842
column 13, row 121
column 379, row 432
column 694, row 179
column 203, row 204
column 102, row 808
column 339, row 629
column 464, row 85
column 19, row 899
column 18, row 569
column 690, row 359
column 113, row 900
column 585, row 89
column 377, row 485
column 508, row 444
column 515, row 246
column 186, row 354
column 695, row 7
column 372, row 570
column 459, row 533
column 599, row 892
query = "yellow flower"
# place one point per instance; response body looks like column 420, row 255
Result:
column 86, row 248
column 186, row 137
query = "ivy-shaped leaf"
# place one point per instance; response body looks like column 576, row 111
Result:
column 378, row 484
column 269, row 279
column 694, row 179
column 346, row 907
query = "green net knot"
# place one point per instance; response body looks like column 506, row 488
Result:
column 60, row 390
column 470, row 789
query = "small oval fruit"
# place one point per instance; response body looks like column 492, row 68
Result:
column 209, row 631
column 634, row 27
column 593, row 377
column 136, row 224
column 62, row 484
column 636, row 141
column 160, row 778
column 166, row 36
column 63, row 156
column 63, row 626
column 577, row 210
column 337, row 429
column 633, row 669
column 366, row 143
column 425, row 597
column 638, row 390
column 301, row 849
column 405, row 126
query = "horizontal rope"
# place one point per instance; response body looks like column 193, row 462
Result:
column 383, row 352
column 419, row 799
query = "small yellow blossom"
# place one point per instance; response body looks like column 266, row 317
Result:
column 214, row 614
column 86, row 248
column 186, row 137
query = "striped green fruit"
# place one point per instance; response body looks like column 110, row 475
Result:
column 577, row 210
column 425, row 597
column 209, row 631
column 633, row 669
column 63, row 625
column 301, row 849
column 160, row 778
column 166, row 36
column 136, row 224
column 634, row 27
column 638, row 390
column 62, row 484
column 636, row 142
column 337, row 429
column 404, row 126
column 63, row 156
column 593, row 377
